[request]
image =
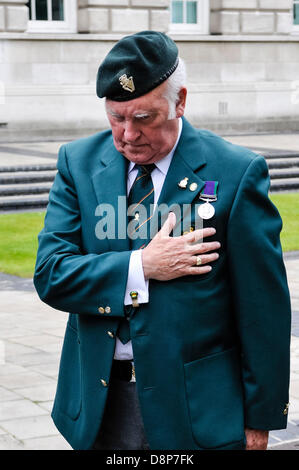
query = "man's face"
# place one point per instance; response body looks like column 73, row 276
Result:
column 141, row 129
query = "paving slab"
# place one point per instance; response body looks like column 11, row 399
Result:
column 15, row 381
column 30, row 426
column 8, row 442
column 267, row 141
column 6, row 395
column 20, row 408
column 46, row 443
column 14, row 154
column 293, row 445
column 39, row 393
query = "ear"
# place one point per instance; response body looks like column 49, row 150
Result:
column 181, row 103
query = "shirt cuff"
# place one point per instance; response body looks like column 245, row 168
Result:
column 136, row 281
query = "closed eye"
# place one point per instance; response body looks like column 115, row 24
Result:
column 144, row 117
column 117, row 117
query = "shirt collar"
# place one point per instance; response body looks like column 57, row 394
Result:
column 164, row 163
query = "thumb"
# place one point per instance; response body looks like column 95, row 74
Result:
column 168, row 225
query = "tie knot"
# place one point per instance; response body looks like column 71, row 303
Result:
column 145, row 169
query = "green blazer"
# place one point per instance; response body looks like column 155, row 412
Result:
column 211, row 352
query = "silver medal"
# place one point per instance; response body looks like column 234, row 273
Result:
column 206, row 210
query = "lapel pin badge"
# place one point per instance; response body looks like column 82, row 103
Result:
column 183, row 183
column 193, row 187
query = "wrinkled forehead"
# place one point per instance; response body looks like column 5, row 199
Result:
column 150, row 103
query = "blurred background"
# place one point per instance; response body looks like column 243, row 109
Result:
column 242, row 60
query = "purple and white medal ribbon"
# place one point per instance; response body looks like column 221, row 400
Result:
column 209, row 194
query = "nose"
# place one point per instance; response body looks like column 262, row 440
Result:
column 131, row 131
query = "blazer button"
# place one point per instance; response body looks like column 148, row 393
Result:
column 101, row 310
column 108, row 309
column 285, row 411
column 110, row 333
column 104, row 383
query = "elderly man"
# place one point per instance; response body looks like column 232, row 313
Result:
column 178, row 336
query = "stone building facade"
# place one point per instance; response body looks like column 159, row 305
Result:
column 242, row 59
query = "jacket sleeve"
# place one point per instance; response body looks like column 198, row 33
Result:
column 261, row 299
column 65, row 278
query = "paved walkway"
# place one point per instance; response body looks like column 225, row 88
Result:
column 31, row 333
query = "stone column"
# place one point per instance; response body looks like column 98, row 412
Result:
column 14, row 15
column 251, row 16
column 122, row 16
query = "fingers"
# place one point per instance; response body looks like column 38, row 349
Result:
column 168, row 225
column 168, row 257
column 204, row 259
column 200, row 248
column 203, row 267
column 191, row 237
column 199, row 234
column 196, row 270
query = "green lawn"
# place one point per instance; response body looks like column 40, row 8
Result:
column 288, row 206
column 18, row 234
column 18, row 242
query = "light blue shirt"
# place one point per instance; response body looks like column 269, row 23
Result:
column 136, row 281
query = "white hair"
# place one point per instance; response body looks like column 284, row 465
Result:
column 175, row 82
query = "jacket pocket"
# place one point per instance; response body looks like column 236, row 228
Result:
column 68, row 396
column 215, row 399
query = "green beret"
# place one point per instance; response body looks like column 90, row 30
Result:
column 136, row 65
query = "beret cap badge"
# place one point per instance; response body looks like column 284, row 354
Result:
column 127, row 83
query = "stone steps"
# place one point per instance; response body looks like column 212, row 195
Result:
column 19, row 177
column 283, row 169
column 24, row 187
column 284, row 173
column 18, row 168
column 11, row 203
column 283, row 162
column 288, row 184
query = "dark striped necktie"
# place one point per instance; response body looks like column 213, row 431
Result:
column 140, row 199
column 140, row 203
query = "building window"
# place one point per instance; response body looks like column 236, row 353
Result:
column 44, row 10
column 189, row 16
column 296, row 14
column 54, row 16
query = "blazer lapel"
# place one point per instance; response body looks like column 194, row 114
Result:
column 110, row 186
column 187, row 160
